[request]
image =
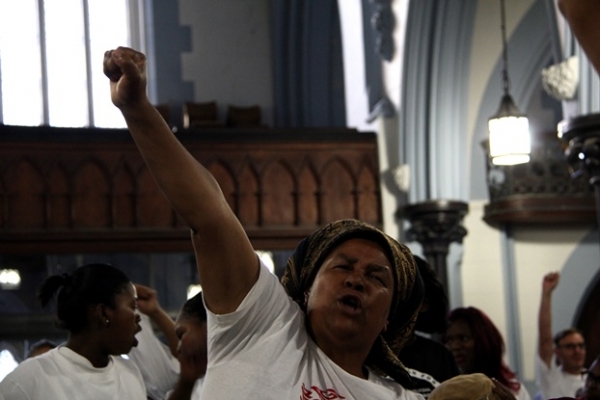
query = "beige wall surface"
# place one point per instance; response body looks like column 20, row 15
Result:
column 230, row 59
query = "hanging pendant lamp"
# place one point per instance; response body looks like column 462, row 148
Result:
column 509, row 137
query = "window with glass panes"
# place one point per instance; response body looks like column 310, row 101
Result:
column 51, row 59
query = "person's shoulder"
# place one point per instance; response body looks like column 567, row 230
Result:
column 121, row 362
column 126, row 366
column 410, row 395
column 401, row 393
column 20, row 380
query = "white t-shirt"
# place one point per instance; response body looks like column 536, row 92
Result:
column 263, row 351
column 553, row 382
column 522, row 394
column 159, row 368
column 196, row 391
column 63, row 374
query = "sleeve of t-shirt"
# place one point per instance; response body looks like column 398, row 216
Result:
column 410, row 395
column 545, row 374
column 265, row 309
column 10, row 389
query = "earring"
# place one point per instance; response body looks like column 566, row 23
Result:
column 107, row 323
column 306, row 294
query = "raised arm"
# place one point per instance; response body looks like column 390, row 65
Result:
column 193, row 367
column 583, row 17
column 147, row 302
column 545, row 342
column 227, row 264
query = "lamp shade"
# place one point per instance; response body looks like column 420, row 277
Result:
column 510, row 142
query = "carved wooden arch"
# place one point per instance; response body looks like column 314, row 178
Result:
column 307, row 196
column 338, row 192
column 60, row 196
column 278, row 185
column 27, row 206
column 134, row 216
column 368, row 194
column 92, row 203
column 247, row 196
column 124, row 191
column 3, row 201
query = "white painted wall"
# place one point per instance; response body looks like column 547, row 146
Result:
column 230, row 60
column 487, row 50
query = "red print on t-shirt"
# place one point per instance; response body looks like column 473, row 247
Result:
column 323, row 394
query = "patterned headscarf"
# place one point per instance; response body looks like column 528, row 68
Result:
column 470, row 386
column 302, row 268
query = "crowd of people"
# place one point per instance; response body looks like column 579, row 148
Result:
column 355, row 316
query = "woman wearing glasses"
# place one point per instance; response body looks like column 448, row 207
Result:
column 477, row 347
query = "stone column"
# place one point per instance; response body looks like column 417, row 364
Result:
column 435, row 224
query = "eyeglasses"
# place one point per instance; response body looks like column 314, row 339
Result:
column 572, row 346
column 459, row 339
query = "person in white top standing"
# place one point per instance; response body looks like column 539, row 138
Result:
column 96, row 304
column 560, row 360
column 351, row 292
column 190, row 328
column 176, row 371
column 156, row 360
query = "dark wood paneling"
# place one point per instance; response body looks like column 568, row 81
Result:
column 541, row 191
column 80, row 190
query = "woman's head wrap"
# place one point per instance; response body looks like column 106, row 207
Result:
column 302, row 268
column 470, row 386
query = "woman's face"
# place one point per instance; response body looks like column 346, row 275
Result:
column 123, row 322
column 191, row 333
column 350, row 298
column 459, row 340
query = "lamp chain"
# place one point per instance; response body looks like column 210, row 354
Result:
column 505, row 79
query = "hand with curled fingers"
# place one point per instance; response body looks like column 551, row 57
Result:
column 192, row 366
column 126, row 69
column 147, row 300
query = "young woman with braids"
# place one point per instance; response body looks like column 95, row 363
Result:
column 96, row 304
column 478, row 347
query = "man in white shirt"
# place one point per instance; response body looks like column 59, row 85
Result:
column 560, row 359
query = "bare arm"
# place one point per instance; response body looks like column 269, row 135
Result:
column 545, row 345
column 183, row 390
column 583, row 17
column 193, row 367
column 147, row 302
column 227, row 264
column 192, row 362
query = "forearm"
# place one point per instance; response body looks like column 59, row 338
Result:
column 226, row 261
column 545, row 346
column 183, row 390
column 166, row 325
